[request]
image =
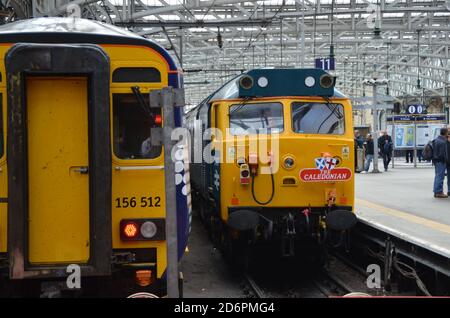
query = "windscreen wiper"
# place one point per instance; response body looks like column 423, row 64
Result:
column 141, row 101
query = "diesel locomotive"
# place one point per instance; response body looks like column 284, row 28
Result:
column 272, row 160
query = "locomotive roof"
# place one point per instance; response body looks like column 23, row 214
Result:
column 75, row 30
column 232, row 89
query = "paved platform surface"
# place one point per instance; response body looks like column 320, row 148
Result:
column 400, row 201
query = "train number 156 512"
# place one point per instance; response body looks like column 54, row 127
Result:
column 142, row 202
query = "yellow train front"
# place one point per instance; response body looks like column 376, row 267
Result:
column 81, row 178
column 272, row 160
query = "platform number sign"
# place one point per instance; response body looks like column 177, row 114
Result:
column 326, row 63
column 416, row 109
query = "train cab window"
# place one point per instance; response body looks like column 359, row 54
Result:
column 260, row 118
column 318, row 118
column 132, row 123
column 136, row 74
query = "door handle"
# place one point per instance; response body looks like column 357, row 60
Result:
column 82, row 169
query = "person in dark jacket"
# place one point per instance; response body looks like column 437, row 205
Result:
column 369, row 148
column 385, row 148
column 359, row 142
column 440, row 161
column 448, row 160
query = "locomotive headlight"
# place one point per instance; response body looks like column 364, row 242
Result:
column 326, row 81
column 246, row 82
column 310, row 81
column 288, row 163
column 148, row 229
column 263, row 82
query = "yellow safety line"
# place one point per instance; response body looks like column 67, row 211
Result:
column 406, row 216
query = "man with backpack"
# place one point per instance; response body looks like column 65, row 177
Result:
column 385, row 147
column 441, row 163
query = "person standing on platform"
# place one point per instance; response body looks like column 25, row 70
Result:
column 440, row 161
column 369, row 148
column 409, row 156
column 385, row 147
column 448, row 160
column 359, row 142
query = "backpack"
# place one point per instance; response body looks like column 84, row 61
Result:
column 427, row 153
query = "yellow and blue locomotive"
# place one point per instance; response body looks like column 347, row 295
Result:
column 81, row 184
column 272, row 160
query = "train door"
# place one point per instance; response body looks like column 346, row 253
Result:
column 58, row 170
column 59, row 160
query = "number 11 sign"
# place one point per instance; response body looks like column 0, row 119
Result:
column 326, row 63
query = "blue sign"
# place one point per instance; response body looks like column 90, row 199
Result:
column 430, row 117
column 326, row 63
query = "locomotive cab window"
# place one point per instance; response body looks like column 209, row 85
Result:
column 318, row 118
column 132, row 124
column 260, row 118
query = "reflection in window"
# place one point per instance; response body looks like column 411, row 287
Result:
column 263, row 118
column 318, row 118
column 132, row 127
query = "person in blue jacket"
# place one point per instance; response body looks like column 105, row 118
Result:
column 441, row 163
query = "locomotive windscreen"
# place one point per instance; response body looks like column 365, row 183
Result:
column 261, row 118
column 318, row 118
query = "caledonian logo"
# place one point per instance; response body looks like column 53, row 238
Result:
column 325, row 171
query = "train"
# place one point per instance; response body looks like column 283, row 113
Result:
column 82, row 188
column 272, row 161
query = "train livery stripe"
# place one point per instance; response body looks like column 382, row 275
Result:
column 405, row 216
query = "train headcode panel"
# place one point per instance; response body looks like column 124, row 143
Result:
column 282, row 170
column 83, row 182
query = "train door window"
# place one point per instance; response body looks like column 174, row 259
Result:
column 318, row 118
column 261, row 118
column 132, row 124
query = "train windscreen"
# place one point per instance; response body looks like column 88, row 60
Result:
column 260, row 118
column 318, row 118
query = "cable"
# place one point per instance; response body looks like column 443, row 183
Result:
column 412, row 274
column 273, row 190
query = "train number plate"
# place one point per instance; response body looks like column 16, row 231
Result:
column 138, row 202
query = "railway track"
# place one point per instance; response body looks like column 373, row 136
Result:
column 326, row 284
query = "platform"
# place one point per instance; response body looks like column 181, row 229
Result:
column 400, row 202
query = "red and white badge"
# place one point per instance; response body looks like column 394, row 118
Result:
column 325, row 171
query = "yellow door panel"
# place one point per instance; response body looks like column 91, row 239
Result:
column 57, row 119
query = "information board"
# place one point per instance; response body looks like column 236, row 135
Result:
column 409, row 129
